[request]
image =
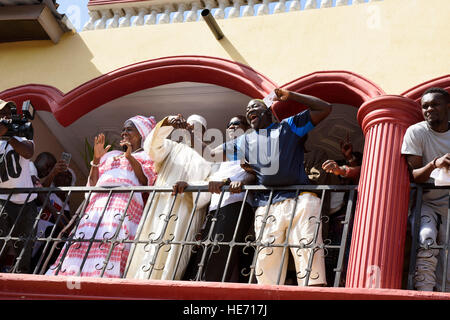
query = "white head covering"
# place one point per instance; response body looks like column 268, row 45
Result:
column 144, row 126
column 197, row 118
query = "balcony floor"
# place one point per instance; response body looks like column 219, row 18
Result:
column 21, row 286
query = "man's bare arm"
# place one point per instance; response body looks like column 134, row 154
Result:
column 319, row 109
column 421, row 173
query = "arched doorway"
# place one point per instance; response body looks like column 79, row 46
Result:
column 70, row 106
column 60, row 110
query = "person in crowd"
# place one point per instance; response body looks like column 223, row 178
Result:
column 333, row 201
column 48, row 167
column 317, row 175
column 44, row 163
column 313, row 167
column 176, row 218
column 110, row 216
column 351, row 169
column 230, row 223
column 48, row 172
column 347, row 171
column 18, row 209
column 426, row 146
column 56, row 210
column 275, row 153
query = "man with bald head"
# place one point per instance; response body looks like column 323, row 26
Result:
column 274, row 152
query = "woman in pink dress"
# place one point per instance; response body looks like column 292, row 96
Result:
column 120, row 219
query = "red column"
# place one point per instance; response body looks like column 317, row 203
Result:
column 379, row 230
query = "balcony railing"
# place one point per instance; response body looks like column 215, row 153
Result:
column 203, row 243
column 51, row 248
column 139, row 13
column 440, row 246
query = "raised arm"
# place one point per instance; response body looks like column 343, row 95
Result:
column 319, row 109
column 23, row 148
column 99, row 151
column 60, row 166
column 137, row 168
column 157, row 146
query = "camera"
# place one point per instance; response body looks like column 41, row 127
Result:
column 20, row 125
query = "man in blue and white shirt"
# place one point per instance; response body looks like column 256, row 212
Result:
column 274, row 151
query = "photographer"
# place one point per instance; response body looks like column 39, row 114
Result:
column 18, row 210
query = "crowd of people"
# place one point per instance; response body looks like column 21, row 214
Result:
column 205, row 235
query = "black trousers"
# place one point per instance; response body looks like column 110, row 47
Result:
column 18, row 218
column 213, row 258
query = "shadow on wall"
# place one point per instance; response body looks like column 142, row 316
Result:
column 46, row 63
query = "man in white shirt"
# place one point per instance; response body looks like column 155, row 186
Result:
column 18, row 210
column 426, row 146
column 232, row 221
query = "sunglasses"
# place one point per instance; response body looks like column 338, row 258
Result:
column 234, row 123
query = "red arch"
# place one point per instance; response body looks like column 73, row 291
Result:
column 69, row 107
column 332, row 86
column 415, row 93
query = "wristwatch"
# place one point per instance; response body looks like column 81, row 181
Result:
column 226, row 181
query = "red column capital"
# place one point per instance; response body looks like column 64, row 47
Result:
column 389, row 109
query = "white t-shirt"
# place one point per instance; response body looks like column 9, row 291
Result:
column 14, row 172
column 232, row 170
column 421, row 140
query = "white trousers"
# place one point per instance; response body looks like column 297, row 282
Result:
column 430, row 262
column 304, row 226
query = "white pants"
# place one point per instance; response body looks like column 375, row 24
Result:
column 430, row 262
column 303, row 229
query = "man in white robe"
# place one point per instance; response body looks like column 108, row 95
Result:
column 156, row 259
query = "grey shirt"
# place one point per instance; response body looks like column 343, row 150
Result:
column 421, row 140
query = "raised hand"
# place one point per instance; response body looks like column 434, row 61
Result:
column 281, row 94
column 60, row 166
column 125, row 144
column 99, row 147
column 178, row 122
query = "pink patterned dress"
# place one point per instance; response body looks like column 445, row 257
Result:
column 114, row 170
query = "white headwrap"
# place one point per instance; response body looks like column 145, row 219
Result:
column 144, row 126
column 197, row 118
